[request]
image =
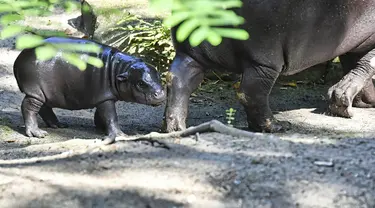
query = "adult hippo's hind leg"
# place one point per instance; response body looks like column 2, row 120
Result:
column 183, row 78
column 30, row 108
column 256, row 85
column 106, row 111
column 366, row 97
column 355, row 88
column 50, row 118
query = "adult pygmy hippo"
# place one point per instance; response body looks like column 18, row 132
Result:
column 58, row 84
column 286, row 37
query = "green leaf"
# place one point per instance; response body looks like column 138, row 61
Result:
column 74, row 60
column 91, row 48
column 86, row 8
column 158, row 5
column 28, row 4
column 221, row 18
column 234, row 33
column 336, row 60
column 6, row 8
column 71, row 6
column 214, row 38
column 28, row 41
column 186, row 28
column 95, row 61
column 45, row 53
column 8, row 18
column 11, row 30
column 198, row 36
column 227, row 4
column 47, row 33
column 176, row 18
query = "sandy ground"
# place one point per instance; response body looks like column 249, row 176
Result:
column 323, row 161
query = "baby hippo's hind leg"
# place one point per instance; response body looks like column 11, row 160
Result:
column 99, row 123
column 49, row 117
column 30, row 108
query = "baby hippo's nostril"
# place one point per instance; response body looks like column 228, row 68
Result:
column 159, row 94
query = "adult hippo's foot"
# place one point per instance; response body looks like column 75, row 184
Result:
column 355, row 88
column 256, row 85
column 366, row 97
column 106, row 118
column 30, row 108
column 183, row 78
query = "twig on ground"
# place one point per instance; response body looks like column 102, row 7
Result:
column 210, row 126
column 153, row 137
column 64, row 155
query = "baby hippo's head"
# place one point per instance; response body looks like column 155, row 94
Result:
column 143, row 82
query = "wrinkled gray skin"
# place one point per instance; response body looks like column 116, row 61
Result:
column 286, row 37
column 58, row 84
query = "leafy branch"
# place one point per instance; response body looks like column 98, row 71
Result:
column 16, row 11
column 197, row 20
column 150, row 41
column 201, row 20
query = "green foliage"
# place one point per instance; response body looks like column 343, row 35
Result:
column 149, row 41
column 336, row 60
column 15, row 11
column 230, row 116
column 201, row 20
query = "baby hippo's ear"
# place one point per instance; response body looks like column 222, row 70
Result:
column 123, row 77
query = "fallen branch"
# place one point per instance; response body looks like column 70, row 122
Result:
column 211, row 126
column 153, row 137
column 33, row 160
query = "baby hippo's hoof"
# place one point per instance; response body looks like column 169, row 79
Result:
column 108, row 140
column 36, row 133
column 112, row 139
column 275, row 126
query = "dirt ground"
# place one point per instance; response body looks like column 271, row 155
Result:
column 322, row 162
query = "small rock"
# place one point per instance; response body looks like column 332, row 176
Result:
column 324, row 163
column 236, row 181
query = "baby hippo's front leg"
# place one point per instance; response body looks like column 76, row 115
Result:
column 106, row 112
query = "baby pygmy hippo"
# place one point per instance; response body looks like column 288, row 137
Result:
column 58, row 84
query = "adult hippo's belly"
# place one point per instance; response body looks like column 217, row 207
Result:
column 286, row 37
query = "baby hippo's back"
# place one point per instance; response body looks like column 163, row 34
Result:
column 57, row 83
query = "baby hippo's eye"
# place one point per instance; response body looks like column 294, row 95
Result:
column 141, row 84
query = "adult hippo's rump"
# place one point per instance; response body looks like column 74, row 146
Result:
column 58, row 84
column 286, row 37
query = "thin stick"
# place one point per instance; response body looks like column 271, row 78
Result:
column 153, row 137
column 210, row 126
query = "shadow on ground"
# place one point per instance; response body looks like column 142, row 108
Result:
column 247, row 172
